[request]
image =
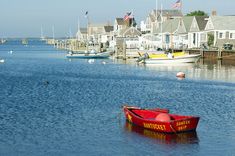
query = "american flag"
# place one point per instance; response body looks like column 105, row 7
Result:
column 177, row 4
column 127, row 16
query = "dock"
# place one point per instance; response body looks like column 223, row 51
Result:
column 121, row 51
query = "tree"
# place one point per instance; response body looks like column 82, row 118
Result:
column 197, row 13
column 210, row 41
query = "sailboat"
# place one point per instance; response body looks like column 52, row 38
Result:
column 88, row 53
column 2, row 60
column 42, row 35
column 24, row 41
column 2, row 41
column 92, row 54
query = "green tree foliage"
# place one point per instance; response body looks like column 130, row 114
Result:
column 210, row 41
column 197, row 13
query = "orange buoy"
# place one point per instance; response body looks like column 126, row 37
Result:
column 180, row 75
column 163, row 117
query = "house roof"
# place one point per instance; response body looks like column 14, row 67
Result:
column 187, row 22
column 201, row 21
column 131, row 31
column 165, row 13
column 223, row 22
column 152, row 18
column 169, row 26
column 120, row 21
column 83, row 30
column 108, row 28
column 169, row 12
column 96, row 25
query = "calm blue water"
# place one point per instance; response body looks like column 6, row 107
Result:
column 50, row 105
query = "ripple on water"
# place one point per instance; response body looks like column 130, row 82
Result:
column 50, row 106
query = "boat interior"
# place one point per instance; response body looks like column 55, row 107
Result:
column 152, row 114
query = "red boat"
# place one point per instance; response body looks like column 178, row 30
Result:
column 160, row 120
column 166, row 138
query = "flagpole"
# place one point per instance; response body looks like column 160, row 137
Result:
column 87, row 40
column 156, row 9
column 156, row 16
column 132, row 20
column 161, row 27
column 181, row 7
column 42, row 33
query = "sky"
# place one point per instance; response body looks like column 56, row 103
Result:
column 25, row 18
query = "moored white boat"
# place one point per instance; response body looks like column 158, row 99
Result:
column 175, row 59
column 89, row 55
column 2, row 60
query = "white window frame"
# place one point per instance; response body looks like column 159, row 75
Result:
column 203, row 37
column 233, row 35
column 223, row 34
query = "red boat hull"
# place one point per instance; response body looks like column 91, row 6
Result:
column 167, row 138
column 147, row 119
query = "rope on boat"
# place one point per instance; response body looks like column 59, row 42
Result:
column 172, row 128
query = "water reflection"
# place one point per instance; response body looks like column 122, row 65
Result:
column 181, row 138
column 218, row 70
column 214, row 70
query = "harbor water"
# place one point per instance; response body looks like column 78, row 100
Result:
column 51, row 105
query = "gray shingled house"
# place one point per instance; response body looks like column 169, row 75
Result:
column 99, row 33
column 221, row 30
column 153, row 19
column 167, row 33
column 81, row 35
column 197, row 35
column 119, row 24
column 174, row 32
column 181, row 39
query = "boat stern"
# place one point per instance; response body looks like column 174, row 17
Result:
column 184, row 125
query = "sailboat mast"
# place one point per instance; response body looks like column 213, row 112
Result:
column 88, row 23
column 53, row 34
column 78, row 32
column 41, row 33
column 70, row 33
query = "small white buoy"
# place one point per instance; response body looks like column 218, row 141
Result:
column 103, row 62
column 91, row 61
column 180, row 75
column 2, row 61
column 11, row 52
